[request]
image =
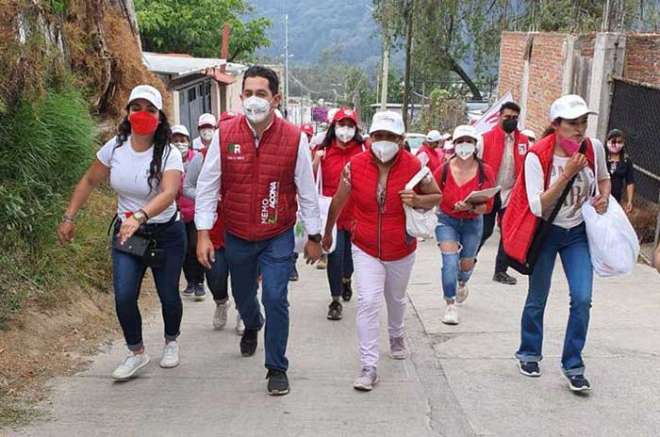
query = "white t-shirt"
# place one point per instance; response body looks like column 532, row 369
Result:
column 129, row 172
column 506, row 177
column 570, row 214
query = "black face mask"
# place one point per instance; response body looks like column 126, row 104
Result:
column 509, row 125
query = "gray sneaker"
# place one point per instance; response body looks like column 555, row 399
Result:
column 200, row 292
column 367, row 380
column 220, row 315
column 189, row 291
column 398, row 349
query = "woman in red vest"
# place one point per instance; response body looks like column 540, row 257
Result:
column 460, row 224
column 431, row 154
column 564, row 160
column 341, row 143
column 374, row 181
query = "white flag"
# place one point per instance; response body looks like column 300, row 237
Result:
column 489, row 119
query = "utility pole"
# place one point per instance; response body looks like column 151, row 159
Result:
column 408, row 14
column 286, row 64
column 386, row 69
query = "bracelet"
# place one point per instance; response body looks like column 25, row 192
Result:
column 68, row 219
column 145, row 213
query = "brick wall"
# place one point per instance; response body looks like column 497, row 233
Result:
column 512, row 50
column 643, row 58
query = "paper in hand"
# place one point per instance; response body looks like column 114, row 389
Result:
column 482, row 196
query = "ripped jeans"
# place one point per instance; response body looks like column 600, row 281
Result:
column 467, row 234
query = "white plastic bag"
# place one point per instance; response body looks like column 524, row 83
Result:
column 324, row 206
column 420, row 223
column 613, row 242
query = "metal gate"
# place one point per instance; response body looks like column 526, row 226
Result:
column 193, row 102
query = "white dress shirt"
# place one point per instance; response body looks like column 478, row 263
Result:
column 506, row 177
column 208, row 187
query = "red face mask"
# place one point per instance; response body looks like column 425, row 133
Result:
column 143, row 122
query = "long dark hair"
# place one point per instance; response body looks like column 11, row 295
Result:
column 161, row 147
column 330, row 136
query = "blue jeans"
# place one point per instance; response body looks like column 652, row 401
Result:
column 340, row 263
column 465, row 232
column 573, row 249
column 128, row 272
column 218, row 276
column 273, row 259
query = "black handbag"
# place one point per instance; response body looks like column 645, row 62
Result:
column 142, row 244
column 543, row 228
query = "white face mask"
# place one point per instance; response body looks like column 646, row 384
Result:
column 385, row 150
column 182, row 147
column 345, row 133
column 256, row 109
column 465, row 150
column 206, row 134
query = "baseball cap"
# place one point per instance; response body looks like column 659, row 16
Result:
column 206, row 120
column 388, row 121
column 433, row 136
column 331, row 114
column 466, row 130
column 180, row 129
column 345, row 113
column 615, row 133
column 148, row 93
column 528, row 133
column 569, row 107
column 307, row 128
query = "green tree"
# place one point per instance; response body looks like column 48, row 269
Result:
column 195, row 27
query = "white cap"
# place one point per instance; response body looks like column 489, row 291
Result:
column 569, row 107
column 331, row 114
column 389, row 121
column 446, row 136
column 207, row 120
column 528, row 133
column 433, row 136
column 148, row 93
column 466, row 130
column 180, row 130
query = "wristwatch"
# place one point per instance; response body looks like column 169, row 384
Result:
column 140, row 216
column 316, row 238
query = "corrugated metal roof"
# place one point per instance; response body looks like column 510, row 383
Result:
column 183, row 65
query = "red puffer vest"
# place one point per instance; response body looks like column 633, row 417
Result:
column 217, row 233
column 332, row 164
column 519, row 223
column 435, row 156
column 257, row 188
column 380, row 231
column 494, row 149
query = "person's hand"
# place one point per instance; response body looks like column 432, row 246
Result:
column 575, row 165
column 409, row 197
column 326, row 243
column 628, row 208
column 462, row 206
column 205, row 250
column 600, row 203
column 127, row 229
column 313, row 252
column 319, row 154
column 65, row 232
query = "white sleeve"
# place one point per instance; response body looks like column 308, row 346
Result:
column 601, row 162
column 308, row 198
column 208, row 187
column 173, row 160
column 535, row 183
column 104, row 155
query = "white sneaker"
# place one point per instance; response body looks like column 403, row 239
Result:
column 367, row 380
column 220, row 316
column 170, row 356
column 462, row 292
column 451, row 315
column 240, row 327
column 130, row 366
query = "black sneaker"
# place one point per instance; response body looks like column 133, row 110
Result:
column 578, row 383
column 294, row 274
column 334, row 310
column 278, row 383
column 504, row 278
column 347, row 291
column 249, row 342
column 529, row 368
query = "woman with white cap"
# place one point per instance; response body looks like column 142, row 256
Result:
column 192, row 269
column 531, row 136
column 145, row 172
column 206, row 127
column 460, row 224
column 383, row 252
column 560, row 174
column 431, row 154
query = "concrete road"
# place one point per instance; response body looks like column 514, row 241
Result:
column 460, row 381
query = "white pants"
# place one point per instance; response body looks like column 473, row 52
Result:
column 376, row 278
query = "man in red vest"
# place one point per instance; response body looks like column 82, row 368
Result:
column 259, row 165
column 504, row 149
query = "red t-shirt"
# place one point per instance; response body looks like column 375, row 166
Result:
column 452, row 193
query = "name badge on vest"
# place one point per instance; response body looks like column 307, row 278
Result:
column 522, row 148
column 234, row 152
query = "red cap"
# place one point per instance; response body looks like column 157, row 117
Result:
column 227, row 116
column 307, row 128
column 345, row 113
